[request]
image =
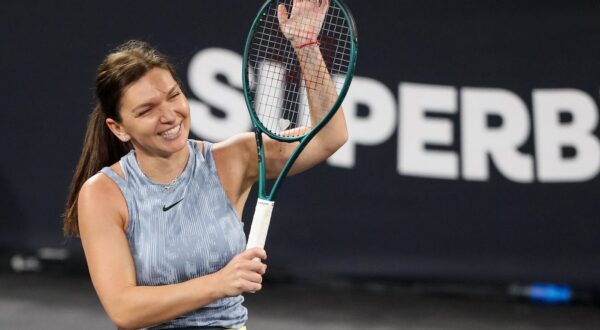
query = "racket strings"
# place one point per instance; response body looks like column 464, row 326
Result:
column 278, row 88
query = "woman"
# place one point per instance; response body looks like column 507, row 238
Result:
column 160, row 223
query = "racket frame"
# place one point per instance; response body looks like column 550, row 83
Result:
column 259, row 128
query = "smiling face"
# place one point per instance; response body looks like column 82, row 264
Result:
column 155, row 115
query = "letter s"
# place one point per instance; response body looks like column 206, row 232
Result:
column 203, row 72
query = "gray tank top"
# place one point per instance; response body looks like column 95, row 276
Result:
column 183, row 230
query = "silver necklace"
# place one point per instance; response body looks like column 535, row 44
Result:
column 168, row 186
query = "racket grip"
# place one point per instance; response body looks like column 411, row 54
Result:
column 260, row 224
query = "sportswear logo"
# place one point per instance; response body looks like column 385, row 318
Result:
column 166, row 208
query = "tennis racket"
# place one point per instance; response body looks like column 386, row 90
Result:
column 280, row 82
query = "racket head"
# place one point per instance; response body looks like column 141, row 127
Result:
column 274, row 88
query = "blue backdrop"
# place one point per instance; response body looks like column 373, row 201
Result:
column 474, row 146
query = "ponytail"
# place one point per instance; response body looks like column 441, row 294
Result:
column 100, row 148
column 128, row 63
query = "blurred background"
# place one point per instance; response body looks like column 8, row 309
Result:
column 465, row 198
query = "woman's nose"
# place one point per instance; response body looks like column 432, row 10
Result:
column 168, row 114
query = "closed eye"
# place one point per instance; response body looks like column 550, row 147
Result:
column 175, row 95
column 143, row 111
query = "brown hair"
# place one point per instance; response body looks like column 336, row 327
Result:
column 127, row 64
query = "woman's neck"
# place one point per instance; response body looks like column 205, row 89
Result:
column 163, row 170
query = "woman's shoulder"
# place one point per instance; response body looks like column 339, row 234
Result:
column 100, row 184
column 101, row 187
column 226, row 149
column 236, row 145
column 237, row 157
column 101, row 197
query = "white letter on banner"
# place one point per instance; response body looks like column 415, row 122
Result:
column 373, row 129
column 499, row 143
column 551, row 135
column 270, row 94
column 203, row 71
column 416, row 131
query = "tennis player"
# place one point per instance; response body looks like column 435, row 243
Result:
column 159, row 215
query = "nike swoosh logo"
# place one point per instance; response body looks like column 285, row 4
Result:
column 166, row 208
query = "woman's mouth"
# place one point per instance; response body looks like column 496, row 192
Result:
column 171, row 133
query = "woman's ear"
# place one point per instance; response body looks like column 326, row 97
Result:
column 118, row 130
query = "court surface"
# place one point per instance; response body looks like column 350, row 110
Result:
column 38, row 301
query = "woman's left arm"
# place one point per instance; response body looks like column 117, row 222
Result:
column 321, row 97
column 238, row 155
column 302, row 28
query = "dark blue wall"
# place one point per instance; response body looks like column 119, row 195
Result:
column 362, row 214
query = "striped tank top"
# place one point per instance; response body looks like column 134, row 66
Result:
column 183, row 230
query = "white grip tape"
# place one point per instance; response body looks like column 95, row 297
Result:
column 260, row 224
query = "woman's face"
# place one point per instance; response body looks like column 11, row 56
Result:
column 155, row 114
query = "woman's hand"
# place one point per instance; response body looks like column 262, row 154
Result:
column 304, row 25
column 243, row 273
